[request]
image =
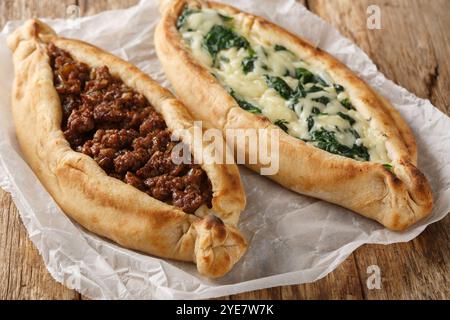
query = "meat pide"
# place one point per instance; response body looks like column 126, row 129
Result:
column 97, row 132
column 128, row 139
column 342, row 142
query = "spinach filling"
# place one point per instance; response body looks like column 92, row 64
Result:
column 326, row 140
column 248, row 63
column 282, row 124
column 322, row 100
column 347, row 104
column 306, row 76
column 310, row 122
column 244, row 104
column 278, row 47
column 346, row 117
column 221, row 38
column 338, row 88
column 280, row 86
column 354, row 133
column 315, row 111
column 225, row 18
column 323, row 139
column 314, row 88
column 183, row 16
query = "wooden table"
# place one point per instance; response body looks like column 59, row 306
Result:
column 412, row 49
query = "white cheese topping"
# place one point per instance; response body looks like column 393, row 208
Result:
column 303, row 100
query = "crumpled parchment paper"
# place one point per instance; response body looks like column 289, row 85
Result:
column 293, row 239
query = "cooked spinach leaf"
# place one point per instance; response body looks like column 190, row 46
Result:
column 314, row 89
column 225, row 18
column 264, row 52
column 280, row 48
column 310, row 122
column 248, row 107
column 347, row 104
column 359, row 151
column 224, row 59
column 303, row 75
column 315, row 110
column 319, row 80
column 183, row 16
column 282, row 124
column 298, row 93
column 279, row 85
column 346, row 117
column 221, row 38
column 326, row 140
column 306, row 76
column 354, row 133
column 323, row 100
column 248, row 63
column 244, row 104
column 338, row 88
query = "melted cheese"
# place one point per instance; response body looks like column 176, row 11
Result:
column 322, row 103
column 274, row 108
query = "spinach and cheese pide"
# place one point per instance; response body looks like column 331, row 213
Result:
column 338, row 139
column 268, row 79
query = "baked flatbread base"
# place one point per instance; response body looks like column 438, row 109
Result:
column 100, row 203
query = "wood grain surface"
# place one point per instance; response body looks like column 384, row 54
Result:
column 412, row 49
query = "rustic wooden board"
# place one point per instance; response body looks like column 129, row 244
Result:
column 22, row 272
column 412, row 49
column 25, row 9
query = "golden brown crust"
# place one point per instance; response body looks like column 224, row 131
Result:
column 102, row 204
column 396, row 199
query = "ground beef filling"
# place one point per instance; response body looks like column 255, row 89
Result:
column 123, row 133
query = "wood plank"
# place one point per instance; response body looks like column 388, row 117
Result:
column 418, row 269
column 342, row 283
column 412, row 49
column 22, row 271
column 264, row 294
column 26, row 9
column 91, row 7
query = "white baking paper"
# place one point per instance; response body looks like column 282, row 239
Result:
column 293, row 239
